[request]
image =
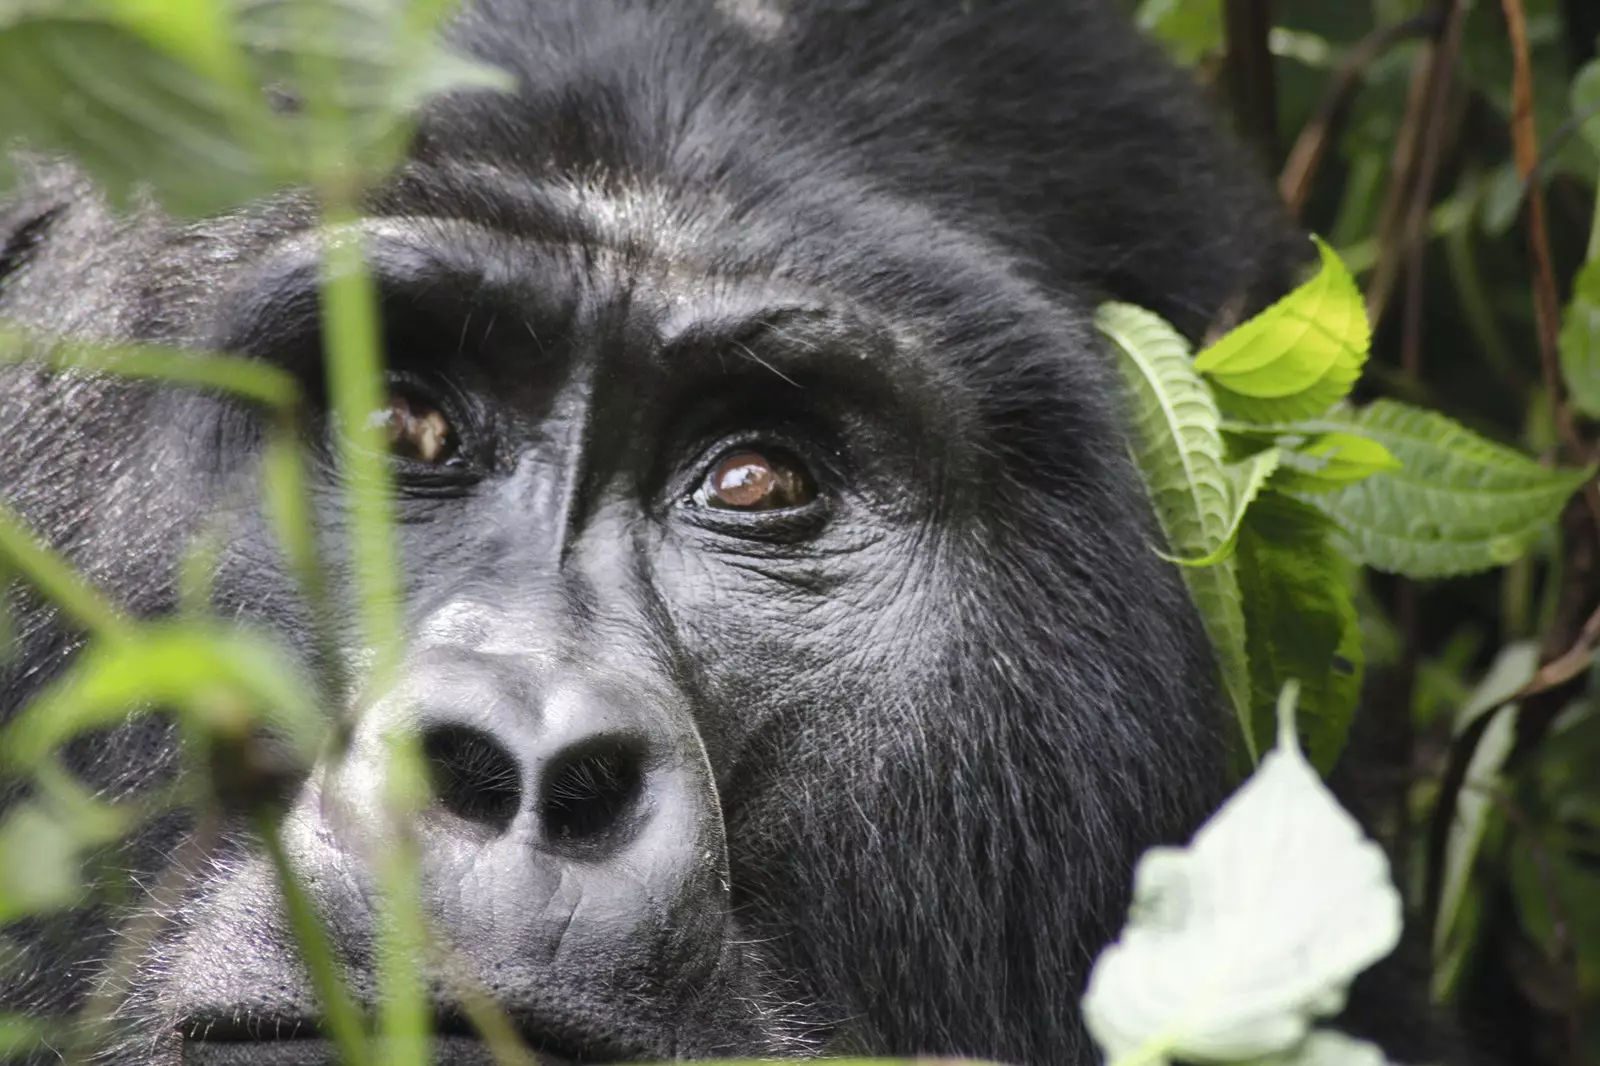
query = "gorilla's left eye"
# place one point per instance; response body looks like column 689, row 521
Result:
column 419, row 431
column 748, row 480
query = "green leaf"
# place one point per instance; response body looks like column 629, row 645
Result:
column 169, row 98
column 1457, row 505
column 1189, row 28
column 1178, row 448
column 1586, row 102
column 1580, row 341
column 1300, row 618
column 220, row 682
column 1326, row 461
column 1246, row 479
column 1237, row 942
column 39, row 868
column 1297, row 358
column 1470, row 820
column 134, row 116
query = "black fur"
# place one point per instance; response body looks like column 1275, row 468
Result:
column 944, row 717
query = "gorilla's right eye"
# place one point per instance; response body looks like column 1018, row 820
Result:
column 419, row 431
column 746, row 480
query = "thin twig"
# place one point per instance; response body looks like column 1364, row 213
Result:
column 1403, row 162
column 1569, row 664
column 1416, row 231
column 1311, row 147
column 1546, row 294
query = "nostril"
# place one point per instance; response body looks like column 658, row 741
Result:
column 590, row 790
column 474, row 776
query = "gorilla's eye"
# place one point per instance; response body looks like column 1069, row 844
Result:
column 745, row 480
column 419, row 431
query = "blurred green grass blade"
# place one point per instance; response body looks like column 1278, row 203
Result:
column 220, row 683
column 246, row 378
column 58, row 581
column 340, row 1015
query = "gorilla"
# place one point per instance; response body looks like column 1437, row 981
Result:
column 783, row 627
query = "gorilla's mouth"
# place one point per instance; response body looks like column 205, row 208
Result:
column 297, row 1042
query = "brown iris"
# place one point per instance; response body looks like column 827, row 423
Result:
column 419, row 432
column 752, row 481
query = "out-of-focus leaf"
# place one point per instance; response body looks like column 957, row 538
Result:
column 131, row 114
column 172, row 98
column 39, row 868
column 1189, row 28
column 220, row 683
column 1580, row 341
column 1511, row 670
column 1298, row 357
column 1237, row 942
column 1586, row 102
column 1458, row 504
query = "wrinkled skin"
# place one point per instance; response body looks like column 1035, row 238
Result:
column 867, row 768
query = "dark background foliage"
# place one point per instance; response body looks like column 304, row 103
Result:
column 1391, row 127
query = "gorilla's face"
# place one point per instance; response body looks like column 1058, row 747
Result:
column 783, row 634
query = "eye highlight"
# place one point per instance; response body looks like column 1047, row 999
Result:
column 748, row 480
column 419, row 431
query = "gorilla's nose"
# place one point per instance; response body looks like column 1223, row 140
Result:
column 572, row 820
column 585, row 795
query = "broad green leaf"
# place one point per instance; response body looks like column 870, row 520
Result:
column 1300, row 619
column 1237, row 942
column 1246, row 479
column 1459, row 503
column 1178, row 449
column 1580, row 341
column 1297, row 358
column 1326, row 461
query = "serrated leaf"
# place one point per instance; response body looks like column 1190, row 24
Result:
column 1237, row 942
column 1246, row 478
column 1580, row 341
column 1458, row 504
column 1300, row 619
column 1297, row 358
column 1178, row 449
column 1326, row 461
